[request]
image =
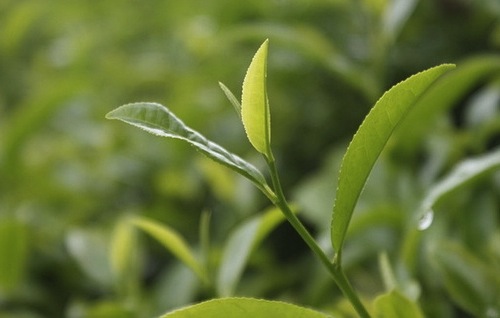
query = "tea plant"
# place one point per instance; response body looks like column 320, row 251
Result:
column 364, row 149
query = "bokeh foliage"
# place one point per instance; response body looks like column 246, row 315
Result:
column 70, row 181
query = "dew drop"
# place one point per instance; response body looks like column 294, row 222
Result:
column 425, row 220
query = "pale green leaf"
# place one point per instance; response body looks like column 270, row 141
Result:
column 240, row 245
column 254, row 103
column 244, row 308
column 232, row 99
column 173, row 241
column 395, row 305
column 159, row 120
column 463, row 173
column 369, row 141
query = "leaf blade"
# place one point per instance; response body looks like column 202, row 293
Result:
column 368, row 143
column 160, row 121
column 244, row 308
column 254, row 104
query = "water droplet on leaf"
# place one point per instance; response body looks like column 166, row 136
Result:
column 425, row 220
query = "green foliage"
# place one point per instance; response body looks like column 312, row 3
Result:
column 366, row 146
column 70, row 183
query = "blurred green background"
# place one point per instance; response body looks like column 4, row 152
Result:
column 68, row 177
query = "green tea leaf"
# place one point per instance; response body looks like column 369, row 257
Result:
column 173, row 241
column 240, row 245
column 159, row 120
column 244, row 308
column 395, row 305
column 254, row 103
column 463, row 173
column 232, row 99
column 369, row 141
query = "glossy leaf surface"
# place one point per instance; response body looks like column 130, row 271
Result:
column 254, row 104
column 369, row 141
column 244, row 308
column 159, row 120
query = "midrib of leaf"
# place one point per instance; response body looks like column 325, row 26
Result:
column 369, row 141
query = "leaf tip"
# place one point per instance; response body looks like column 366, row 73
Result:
column 110, row 115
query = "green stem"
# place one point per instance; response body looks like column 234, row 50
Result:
column 335, row 268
